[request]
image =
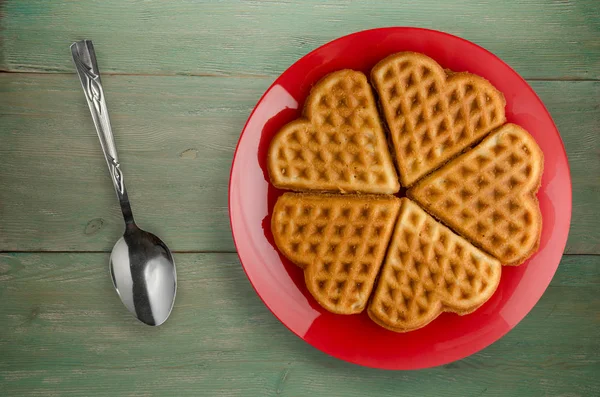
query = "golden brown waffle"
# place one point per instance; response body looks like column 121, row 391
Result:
column 339, row 241
column 428, row 270
column 488, row 194
column 340, row 144
column 433, row 115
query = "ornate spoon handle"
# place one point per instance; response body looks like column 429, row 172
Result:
column 89, row 75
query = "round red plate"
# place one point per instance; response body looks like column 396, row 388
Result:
column 280, row 284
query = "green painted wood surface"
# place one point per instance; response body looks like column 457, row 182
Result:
column 539, row 38
column 176, row 149
column 181, row 78
column 65, row 330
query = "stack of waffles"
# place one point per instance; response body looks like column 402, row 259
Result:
column 471, row 183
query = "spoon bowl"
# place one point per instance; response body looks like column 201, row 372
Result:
column 144, row 275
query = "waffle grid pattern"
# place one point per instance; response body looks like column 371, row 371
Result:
column 340, row 147
column 429, row 269
column 488, row 194
column 340, row 241
column 432, row 118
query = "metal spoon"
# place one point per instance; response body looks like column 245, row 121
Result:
column 142, row 267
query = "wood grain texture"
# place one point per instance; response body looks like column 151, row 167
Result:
column 539, row 38
column 63, row 331
column 176, row 137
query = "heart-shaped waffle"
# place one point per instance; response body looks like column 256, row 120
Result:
column 488, row 194
column 340, row 144
column 433, row 115
column 339, row 241
column 428, row 270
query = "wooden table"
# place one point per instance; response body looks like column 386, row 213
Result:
column 181, row 78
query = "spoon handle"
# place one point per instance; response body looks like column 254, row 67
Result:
column 89, row 75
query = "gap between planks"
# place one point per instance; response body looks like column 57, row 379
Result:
column 242, row 76
column 238, row 76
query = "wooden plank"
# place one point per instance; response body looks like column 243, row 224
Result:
column 575, row 111
column 540, row 39
column 176, row 137
column 63, row 331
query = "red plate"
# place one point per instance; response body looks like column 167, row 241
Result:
column 280, row 284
